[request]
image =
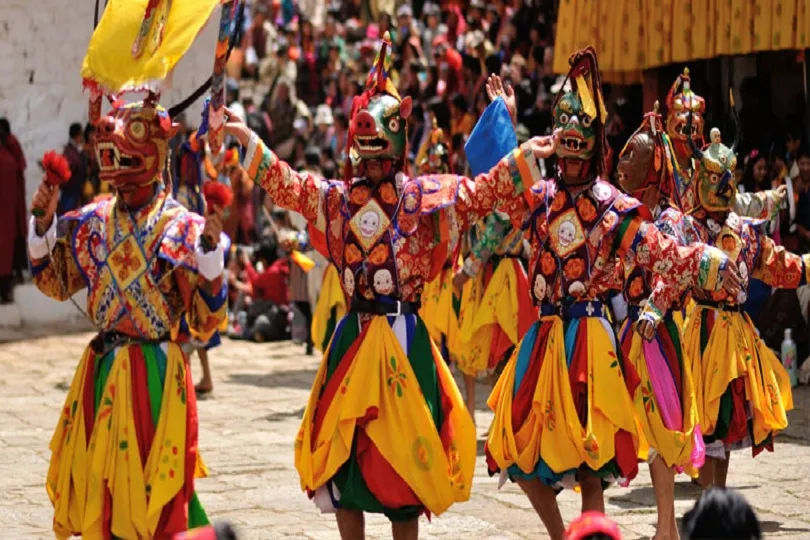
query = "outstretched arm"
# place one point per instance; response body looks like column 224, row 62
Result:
column 673, row 268
column 299, row 192
column 761, row 204
column 778, row 267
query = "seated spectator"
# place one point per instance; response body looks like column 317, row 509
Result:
column 267, row 317
column 721, row 513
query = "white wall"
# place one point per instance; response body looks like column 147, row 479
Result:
column 42, row 44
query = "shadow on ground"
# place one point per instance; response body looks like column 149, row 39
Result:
column 300, row 379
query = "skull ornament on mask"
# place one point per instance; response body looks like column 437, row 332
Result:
column 132, row 144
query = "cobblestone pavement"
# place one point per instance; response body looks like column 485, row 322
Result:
column 247, row 431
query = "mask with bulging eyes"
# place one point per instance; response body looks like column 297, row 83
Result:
column 714, row 176
column 380, row 129
column 578, row 134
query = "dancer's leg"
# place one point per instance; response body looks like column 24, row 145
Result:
column 351, row 524
column 405, row 530
column 206, row 384
column 663, row 481
column 544, row 502
column 593, row 497
column 707, row 472
column 721, row 471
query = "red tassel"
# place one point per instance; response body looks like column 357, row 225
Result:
column 217, row 195
column 57, row 168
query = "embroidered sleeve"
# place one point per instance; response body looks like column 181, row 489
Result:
column 53, row 264
column 778, row 267
column 673, row 268
column 299, row 192
column 759, row 205
column 508, row 185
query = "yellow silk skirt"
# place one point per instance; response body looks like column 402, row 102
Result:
column 80, row 474
column 550, row 442
column 489, row 309
column 729, row 349
column 331, row 296
column 438, row 313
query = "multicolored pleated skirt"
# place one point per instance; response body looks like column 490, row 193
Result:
column 742, row 390
column 562, row 405
column 124, row 452
column 496, row 311
column 664, row 398
column 385, row 429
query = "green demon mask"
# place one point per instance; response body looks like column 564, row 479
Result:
column 380, row 130
column 379, row 121
column 714, row 175
column 578, row 136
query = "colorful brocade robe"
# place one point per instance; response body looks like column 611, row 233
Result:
column 576, row 236
column 133, row 477
column 388, row 240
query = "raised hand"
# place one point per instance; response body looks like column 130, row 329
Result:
column 236, row 127
column 646, row 329
column 495, row 88
column 43, row 205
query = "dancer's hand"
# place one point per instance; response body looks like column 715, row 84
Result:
column 731, row 280
column 212, row 228
column 236, row 127
column 495, row 88
column 543, row 147
column 646, row 329
column 44, row 203
column 459, row 280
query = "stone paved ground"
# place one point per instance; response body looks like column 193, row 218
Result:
column 246, row 438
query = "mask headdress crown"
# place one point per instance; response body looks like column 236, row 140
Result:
column 682, row 101
column 580, row 112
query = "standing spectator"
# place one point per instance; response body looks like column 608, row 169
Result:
column 461, row 121
column 323, row 126
column 70, row 197
column 282, row 107
column 92, row 186
column 13, row 218
column 433, row 27
column 337, row 143
column 258, row 38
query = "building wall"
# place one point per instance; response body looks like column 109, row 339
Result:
column 42, row 44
